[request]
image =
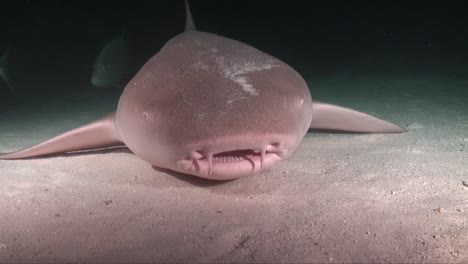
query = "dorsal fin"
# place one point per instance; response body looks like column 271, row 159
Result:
column 334, row 117
column 189, row 24
column 98, row 134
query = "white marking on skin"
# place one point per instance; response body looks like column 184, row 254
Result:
column 247, row 87
column 200, row 65
column 235, row 71
column 201, row 116
column 236, row 99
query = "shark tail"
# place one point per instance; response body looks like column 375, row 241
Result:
column 98, row 134
column 334, row 117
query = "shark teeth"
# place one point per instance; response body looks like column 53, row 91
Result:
column 235, row 155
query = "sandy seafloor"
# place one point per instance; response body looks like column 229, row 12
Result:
column 339, row 198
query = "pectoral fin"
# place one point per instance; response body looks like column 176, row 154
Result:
column 98, row 134
column 334, row 117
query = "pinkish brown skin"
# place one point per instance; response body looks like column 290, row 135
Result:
column 202, row 95
column 212, row 107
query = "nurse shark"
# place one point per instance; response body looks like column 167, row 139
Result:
column 211, row 107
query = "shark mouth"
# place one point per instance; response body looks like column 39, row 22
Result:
column 231, row 163
column 234, row 156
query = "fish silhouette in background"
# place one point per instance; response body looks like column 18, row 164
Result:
column 112, row 63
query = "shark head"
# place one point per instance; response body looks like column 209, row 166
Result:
column 217, row 108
